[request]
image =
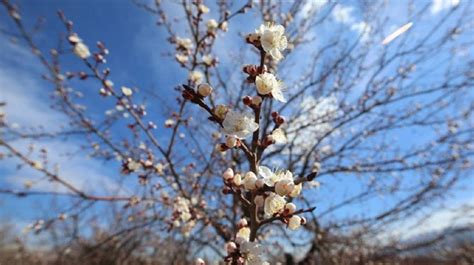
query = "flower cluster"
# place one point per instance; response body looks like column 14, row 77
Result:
column 244, row 251
column 274, row 189
column 266, row 194
column 183, row 216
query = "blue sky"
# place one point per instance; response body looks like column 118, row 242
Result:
column 137, row 48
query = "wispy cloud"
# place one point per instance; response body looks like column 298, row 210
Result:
column 27, row 105
column 344, row 14
column 440, row 5
column 313, row 5
column 461, row 213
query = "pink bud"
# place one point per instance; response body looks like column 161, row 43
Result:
column 228, row 174
column 230, row 247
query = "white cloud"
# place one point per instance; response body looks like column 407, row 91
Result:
column 316, row 118
column 343, row 14
column 460, row 214
column 312, row 6
column 439, row 5
column 82, row 172
column 27, row 105
column 23, row 96
column 363, row 29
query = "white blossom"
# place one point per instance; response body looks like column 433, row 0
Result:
column 199, row 261
column 127, row 91
column 186, row 43
column 274, row 204
column 181, row 58
column 253, row 253
column 212, row 25
column 81, row 50
column 243, row 234
column 195, row 76
column 294, row 222
column 273, row 40
column 208, row 59
column 239, row 125
column 269, row 177
column 279, row 136
column 203, row 8
column 296, row 190
column 181, row 208
column 267, row 83
column 284, row 187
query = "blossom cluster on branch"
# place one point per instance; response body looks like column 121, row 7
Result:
column 265, row 194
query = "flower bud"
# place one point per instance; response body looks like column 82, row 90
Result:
column 231, row 141
column 250, row 69
column 247, row 100
column 290, row 208
column 280, row 120
column 230, row 247
column 275, row 115
column 256, row 100
column 249, row 180
column 242, row 222
column 221, row 111
column 81, row 50
column 237, row 180
column 228, row 174
column 204, row 90
column 268, row 140
column 203, row 8
column 74, row 38
column 224, row 26
column 187, row 95
column 211, row 25
column 127, row 91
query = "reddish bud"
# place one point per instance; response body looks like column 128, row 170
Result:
column 83, row 75
column 187, row 95
column 247, row 100
column 280, row 120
